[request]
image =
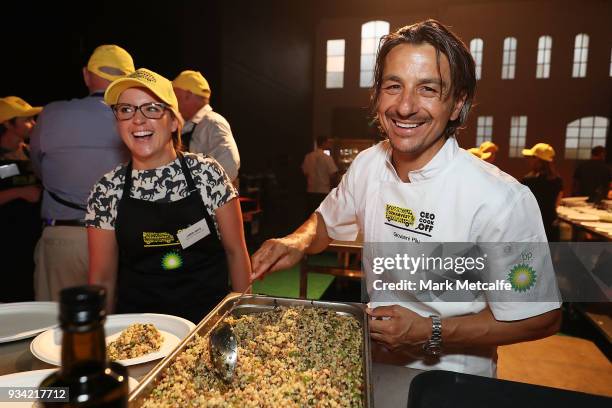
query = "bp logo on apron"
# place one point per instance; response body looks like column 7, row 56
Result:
column 171, row 260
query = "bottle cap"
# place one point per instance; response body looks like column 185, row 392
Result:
column 82, row 304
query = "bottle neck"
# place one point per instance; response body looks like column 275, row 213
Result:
column 82, row 347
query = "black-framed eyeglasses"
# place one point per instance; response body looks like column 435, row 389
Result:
column 150, row 110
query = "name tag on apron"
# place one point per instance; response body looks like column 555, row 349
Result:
column 193, row 234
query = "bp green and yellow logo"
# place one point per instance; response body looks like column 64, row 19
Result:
column 522, row 277
column 171, row 260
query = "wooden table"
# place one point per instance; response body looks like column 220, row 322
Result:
column 346, row 269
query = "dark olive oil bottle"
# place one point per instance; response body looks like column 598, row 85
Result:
column 90, row 380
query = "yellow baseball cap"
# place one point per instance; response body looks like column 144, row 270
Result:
column 541, row 151
column 488, row 146
column 475, row 151
column 144, row 78
column 110, row 62
column 15, row 107
column 479, row 153
column 193, row 82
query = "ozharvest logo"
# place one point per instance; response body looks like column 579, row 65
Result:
column 399, row 215
column 522, row 278
column 171, row 260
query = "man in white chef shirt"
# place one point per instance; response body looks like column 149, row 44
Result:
column 444, row 194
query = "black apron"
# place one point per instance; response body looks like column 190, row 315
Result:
column 156, row 275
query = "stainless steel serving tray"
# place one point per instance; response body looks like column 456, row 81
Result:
column 255, row 304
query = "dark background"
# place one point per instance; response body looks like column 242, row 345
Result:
column 265, row 62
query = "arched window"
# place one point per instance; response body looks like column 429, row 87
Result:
column 476, row 48
column 544, row 49
column 581, row 55
column 484, row 129
column 518, row 134
column 371, row 32
column 509, row 60
column 334, row 77
column 583, row 134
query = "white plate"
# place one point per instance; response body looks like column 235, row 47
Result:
column 33, row 379
column 47, row 346
column 26, row 319
column 599, row 225
column 574, row 201
column 583, row 217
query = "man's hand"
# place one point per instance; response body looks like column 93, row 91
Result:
column 400, row 328
column 281, row 253
column 274, row 255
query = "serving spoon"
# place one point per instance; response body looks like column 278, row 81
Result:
column 223, row 345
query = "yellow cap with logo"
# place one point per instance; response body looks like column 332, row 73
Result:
column 15, row 107
column 542, row 151
column 110, row 62
column 193, row 82
column 144, row 78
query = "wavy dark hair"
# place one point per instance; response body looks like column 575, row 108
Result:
column 462, row 67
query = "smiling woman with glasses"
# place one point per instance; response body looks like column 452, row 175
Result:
column 165, row 228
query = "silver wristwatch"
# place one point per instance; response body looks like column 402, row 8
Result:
column 433, row 346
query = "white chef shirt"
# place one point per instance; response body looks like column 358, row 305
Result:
column 212, row 135
column 472, row 201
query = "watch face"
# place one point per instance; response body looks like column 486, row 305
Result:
column 432, row 349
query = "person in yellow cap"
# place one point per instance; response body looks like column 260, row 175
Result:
column 19, row 199
column 17, row 121
column 488, row 151
column 73, row 144
column 205, row 131
column 545, row 184
column 164, row 237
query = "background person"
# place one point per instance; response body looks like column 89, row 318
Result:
column 321, row 172
column 19, row 201
column 205, row 131
column 17, row 120
column 592, row 177
column 134, row 221
column 545, row 184
column 73, row 144
column 424, row 84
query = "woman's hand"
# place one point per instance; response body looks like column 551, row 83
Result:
column 229, row 219
column 103, row 262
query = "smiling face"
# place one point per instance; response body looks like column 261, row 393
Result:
column 415, row 104
column 149, row 140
